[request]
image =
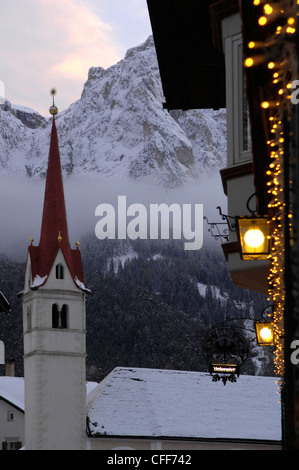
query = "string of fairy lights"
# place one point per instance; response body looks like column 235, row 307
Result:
column 278, row 55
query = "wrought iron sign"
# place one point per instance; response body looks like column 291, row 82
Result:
column 226, row 345
column 225, row 351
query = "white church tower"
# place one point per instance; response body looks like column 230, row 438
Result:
column 54, row 326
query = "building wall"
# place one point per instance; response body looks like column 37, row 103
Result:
column 11, row 425
column 173, row 445
column 54, row 365
column 238, row 175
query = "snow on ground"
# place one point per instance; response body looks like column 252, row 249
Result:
column 121, row 259
column 223, row 297
column 202, row 288
column 24, row 109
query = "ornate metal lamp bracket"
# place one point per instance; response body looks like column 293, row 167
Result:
column 216, row 228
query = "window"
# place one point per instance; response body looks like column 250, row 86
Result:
column 14, row 445
column 59, row 271
column 29, row 279
column 238, row 122
column 63, row 315
column 10, row 415
column 246, row 138
column 55, row 316
column 59, row 317
column 11, row 445
column 2, row 353
column 29, row 318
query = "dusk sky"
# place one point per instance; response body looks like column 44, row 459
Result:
column 53, row 43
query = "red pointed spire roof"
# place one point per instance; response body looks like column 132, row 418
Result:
column 54, row 214
column 54, row 230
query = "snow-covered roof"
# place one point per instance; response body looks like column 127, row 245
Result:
column 12, row 390
column 166, row 403
column 4, row 304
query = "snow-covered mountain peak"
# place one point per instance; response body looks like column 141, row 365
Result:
column 118, row 128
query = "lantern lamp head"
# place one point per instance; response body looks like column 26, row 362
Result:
column 265, row 333
column 254, row 237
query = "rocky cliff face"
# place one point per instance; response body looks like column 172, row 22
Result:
column 118, row 128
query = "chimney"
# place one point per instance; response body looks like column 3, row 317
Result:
column 10, row 368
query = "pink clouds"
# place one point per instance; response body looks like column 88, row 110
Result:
column 82, row 40
column 46, row 43
column 53, row 43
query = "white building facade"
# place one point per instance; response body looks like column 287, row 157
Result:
column 11, row 413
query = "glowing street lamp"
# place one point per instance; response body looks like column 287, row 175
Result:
column 254, row 237
column 264, row 333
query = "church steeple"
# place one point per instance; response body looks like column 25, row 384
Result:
column 54, row 229
column 54, row 325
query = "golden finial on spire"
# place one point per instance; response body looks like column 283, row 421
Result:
column 53, row 109
column 77, row 244
column 59, row 238
column 31, row 240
